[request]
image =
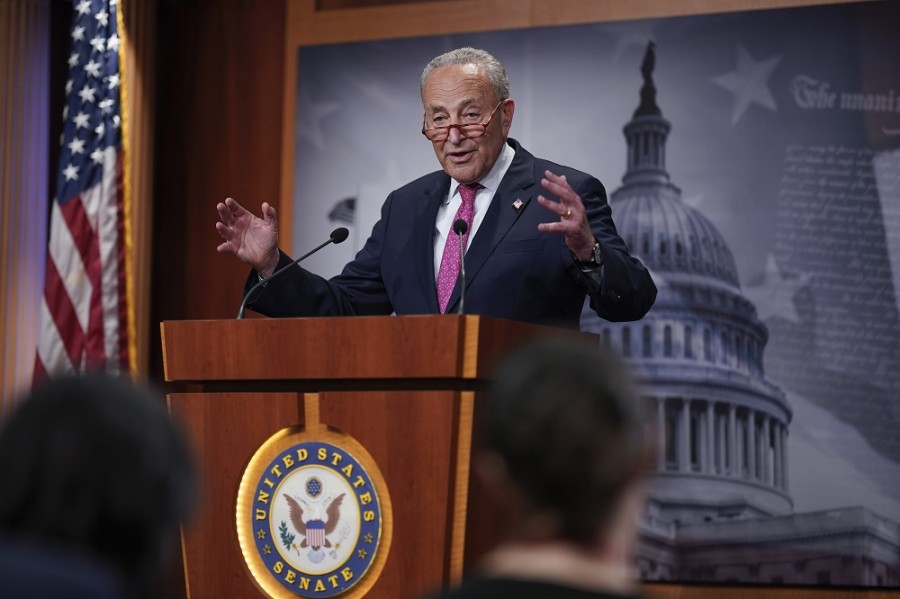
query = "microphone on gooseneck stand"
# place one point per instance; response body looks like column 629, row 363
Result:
column 337, row 236
column 460, row 227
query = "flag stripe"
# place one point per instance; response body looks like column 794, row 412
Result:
column 57, row 324
column 69, row 255
column 76, row 220
column 111, row 252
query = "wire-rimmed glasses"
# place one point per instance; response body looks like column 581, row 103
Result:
column 466, row 129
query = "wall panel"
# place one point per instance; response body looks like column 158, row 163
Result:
column 226, row 101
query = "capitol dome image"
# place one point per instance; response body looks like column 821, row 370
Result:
column 719, row 504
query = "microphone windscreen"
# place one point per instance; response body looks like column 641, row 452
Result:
column 460, row 227
column 339, row 234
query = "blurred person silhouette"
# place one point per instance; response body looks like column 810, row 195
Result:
column 95, row 479
column 565, row 451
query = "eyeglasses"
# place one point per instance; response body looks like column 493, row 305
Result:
column 466, row 129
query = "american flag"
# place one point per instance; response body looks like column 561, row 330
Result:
column 84, row 316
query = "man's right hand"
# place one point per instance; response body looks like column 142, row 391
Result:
column 250, row 239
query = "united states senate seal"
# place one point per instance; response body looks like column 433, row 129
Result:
column 313, row 516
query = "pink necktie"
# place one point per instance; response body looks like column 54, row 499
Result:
column 449, row 270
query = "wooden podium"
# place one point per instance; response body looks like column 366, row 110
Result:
column 404, row 387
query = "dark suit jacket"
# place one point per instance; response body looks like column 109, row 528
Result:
column 513, row 270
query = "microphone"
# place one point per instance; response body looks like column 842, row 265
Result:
column 337, row 236
column 460, row 227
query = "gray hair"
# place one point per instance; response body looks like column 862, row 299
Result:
column 493, row 68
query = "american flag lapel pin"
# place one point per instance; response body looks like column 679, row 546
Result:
column 517, row 204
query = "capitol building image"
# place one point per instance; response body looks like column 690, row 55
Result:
column 719, row 506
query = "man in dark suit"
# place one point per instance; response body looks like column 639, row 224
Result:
column 529, row 257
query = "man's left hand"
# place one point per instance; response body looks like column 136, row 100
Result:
column 573, row 221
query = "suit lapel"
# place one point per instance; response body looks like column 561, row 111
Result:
column 423, row 243
column 517, row 184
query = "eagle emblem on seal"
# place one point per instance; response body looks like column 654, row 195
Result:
column 315, row 529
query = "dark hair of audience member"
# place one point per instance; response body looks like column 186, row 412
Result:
column 95, row 464
column 567, row 421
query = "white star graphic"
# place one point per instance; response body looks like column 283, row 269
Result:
column 76, row 146
column 309, row 123
column 98, row 43
column 78, row 33
column 87, row 94
column 84, row 7
column 106, row 105
column 92, row 68
column 774, row 296
column 73, row 59
column 113, row 81
column 749, row 83
column 376, row 90
column 70, row 172
column 100, row 130
column 113, row 43
column 82, row 120
column 102, row 18
column 68, row 86
column 97, row 156
column 628, row 34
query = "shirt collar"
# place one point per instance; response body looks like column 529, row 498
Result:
column 491, row 181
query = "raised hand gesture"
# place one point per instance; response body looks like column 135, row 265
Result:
column 247, row 237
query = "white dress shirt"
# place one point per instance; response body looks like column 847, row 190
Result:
column 444, row 223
